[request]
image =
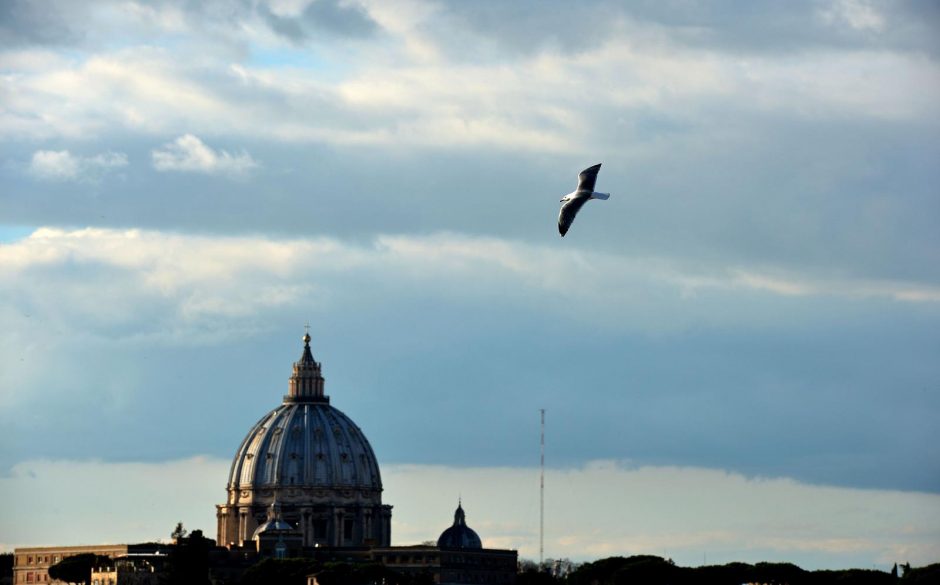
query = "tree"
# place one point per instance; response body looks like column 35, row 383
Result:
column 928, row 574
column 189, row 559
column 523, row 565
column 280, row 571
column 178, row 533
column 852, row 577
column 779, row 573
column 619, row 570
column 6, row 568
column 368, row 574
column 295, row 572
column 730, row 574
column 535, row 577
column 77, row 568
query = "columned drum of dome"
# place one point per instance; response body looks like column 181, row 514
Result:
column 315, row 463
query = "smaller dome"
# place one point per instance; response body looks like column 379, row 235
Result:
column 274, row 526
column 459, row 535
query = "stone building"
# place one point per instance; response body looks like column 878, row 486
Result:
column 31, row 564
column 459, row 558
column 129, row 570
column 315, row 463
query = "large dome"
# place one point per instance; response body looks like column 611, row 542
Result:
column 305, row 444
column 314, row 463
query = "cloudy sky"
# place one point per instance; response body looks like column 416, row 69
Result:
column 737, row 353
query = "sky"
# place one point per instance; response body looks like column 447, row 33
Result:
column 737, row 352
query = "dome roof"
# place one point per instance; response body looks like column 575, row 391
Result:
column 459, row 535
column 273, row 526
column 305, row 445
column 305, row 442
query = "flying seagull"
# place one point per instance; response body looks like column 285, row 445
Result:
column 573, row 201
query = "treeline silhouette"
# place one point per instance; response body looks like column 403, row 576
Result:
column 653, row 570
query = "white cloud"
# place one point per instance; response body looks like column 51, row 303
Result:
column 598, row 510
column 802, row 286
column 289, row 8
column 408, row 94
column 857, row 14
column 55, row 165
column 62, row 165
column 189, row 153
column 182, row 282
column 175, row 289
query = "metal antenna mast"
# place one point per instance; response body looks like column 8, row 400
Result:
column 542, row 493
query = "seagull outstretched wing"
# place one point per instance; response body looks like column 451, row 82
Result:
column 572, row 202
column 588, row 177
column 568, row 211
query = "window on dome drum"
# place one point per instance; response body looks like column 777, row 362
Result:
column 347, row 528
